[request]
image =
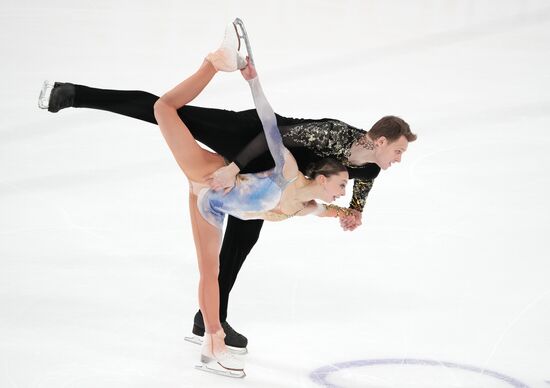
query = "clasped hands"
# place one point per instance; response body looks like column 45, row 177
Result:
column 352, row 221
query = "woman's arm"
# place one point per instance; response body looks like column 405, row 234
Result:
column 324, row 210
column 284, row 161
column 269, row 123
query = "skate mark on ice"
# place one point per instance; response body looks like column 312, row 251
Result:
column 321, row 375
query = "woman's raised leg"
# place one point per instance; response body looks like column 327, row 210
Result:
column 195, row 161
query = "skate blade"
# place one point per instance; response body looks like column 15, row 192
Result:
column 44, row 98
column 216, row 369
column 238, row 23
column 195, row 339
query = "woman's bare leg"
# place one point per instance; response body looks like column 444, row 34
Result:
column 207, row 243
column 186, row 91
column 195, row 161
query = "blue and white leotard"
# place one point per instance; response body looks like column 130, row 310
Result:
column 253, row 195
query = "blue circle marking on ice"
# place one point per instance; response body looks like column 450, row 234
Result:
column 321, row 375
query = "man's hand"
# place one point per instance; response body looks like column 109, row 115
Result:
column 352, row 221
column 223, row 178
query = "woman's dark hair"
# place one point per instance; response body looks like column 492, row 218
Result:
column 326, row 167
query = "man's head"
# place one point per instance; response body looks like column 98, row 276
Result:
column 391, row 136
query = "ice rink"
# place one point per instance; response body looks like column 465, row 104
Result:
column 446, row 283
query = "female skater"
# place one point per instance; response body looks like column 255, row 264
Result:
column 272, row 195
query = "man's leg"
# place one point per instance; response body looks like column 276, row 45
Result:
column 226, row 132
column 240, row 238
column 132, row 103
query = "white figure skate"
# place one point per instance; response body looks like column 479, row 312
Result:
column 227, row 57
column 222, row 363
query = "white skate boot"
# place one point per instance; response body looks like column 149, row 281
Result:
column 227, row 57
column 222, row 363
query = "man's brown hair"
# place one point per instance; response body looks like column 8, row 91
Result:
column 392, row 128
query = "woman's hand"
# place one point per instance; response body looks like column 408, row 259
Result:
column 223, row 178
column 249, row 72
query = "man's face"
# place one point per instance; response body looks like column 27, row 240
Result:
column 388, row 153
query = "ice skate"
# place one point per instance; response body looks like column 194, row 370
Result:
column 227, row 57
column 223, row 362
column 55, row 96
column 44, row 98
column 235, row 342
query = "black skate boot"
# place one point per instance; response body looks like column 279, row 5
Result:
column 56, row 96
column 235, row 341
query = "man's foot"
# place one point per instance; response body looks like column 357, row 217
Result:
column 227, row 57
column 236, row 341
column 56, row 96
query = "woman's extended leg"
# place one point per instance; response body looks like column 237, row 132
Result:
column 207, row 243
column 194, row 161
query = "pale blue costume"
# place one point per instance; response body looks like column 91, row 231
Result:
column 257, row 193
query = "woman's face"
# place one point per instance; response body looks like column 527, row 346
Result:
column 334, row 186
column 387, row 153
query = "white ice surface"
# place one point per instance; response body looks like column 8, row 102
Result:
column 98, row 275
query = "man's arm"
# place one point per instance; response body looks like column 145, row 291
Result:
column 361, row 189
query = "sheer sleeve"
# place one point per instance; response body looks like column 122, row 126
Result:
column 255, row 148
column 272, row 135
column 258, row 146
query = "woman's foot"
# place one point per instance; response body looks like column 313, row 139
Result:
column 227, row 57
column 215, row 352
